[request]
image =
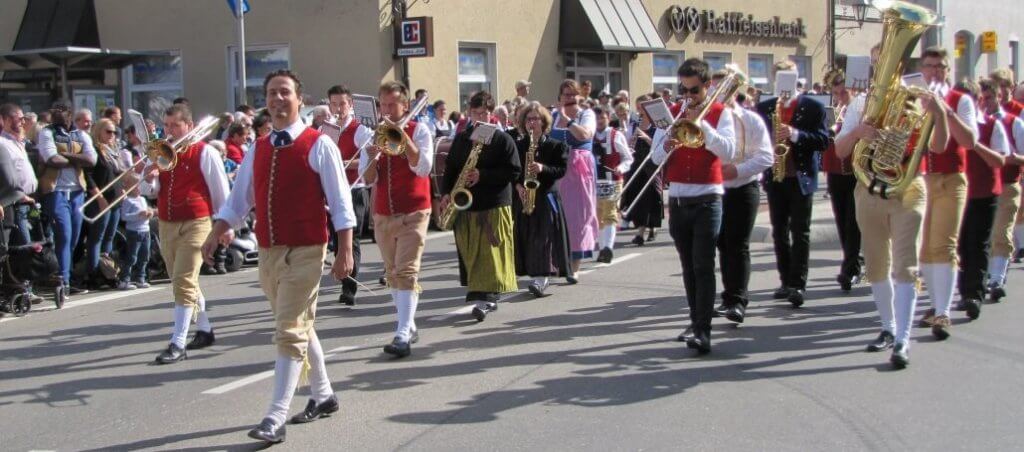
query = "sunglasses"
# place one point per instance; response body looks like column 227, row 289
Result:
column 684, row 90
column 110, row 131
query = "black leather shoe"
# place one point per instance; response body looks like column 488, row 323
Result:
column 398, row 348
column 605, row 255
column 736, row 313
column 686, row 335
column 173, row 354
column 537, row 290
column 316, row 411
column 202, row 339
column 348, row 292
column 266, row 432
column 781, row 293
column 973, row 308
column 883, row 342
column 845, row 282
column 481, row 310
column 701, row 342
column 900, row 358
column 996, row 293
column 638, row 240
column 572, row 279
column 383, row 281
column 720, row 310
column 796, row 297
column 414, row 337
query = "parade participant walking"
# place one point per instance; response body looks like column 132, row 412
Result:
column 575, row 125
column 613, row 159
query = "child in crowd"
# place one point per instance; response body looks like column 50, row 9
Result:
column 136, row 214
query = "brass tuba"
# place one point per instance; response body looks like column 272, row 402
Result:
column 391, row 137
column 881, row 164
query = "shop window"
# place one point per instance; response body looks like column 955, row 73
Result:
column 717, row 60
column 666, row 65
column 260, row 60
column 602, row 69
column 759, row 69
column 152, row 84
column 476, row 71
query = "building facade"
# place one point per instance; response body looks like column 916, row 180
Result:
column 477, row 44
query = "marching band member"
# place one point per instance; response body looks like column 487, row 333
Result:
column 1003, row 78
column 892, row 246
column 790, row 200
column 841, row 185
column 984, row 186
column 401, row 210
column 288, row 178
column 695, row 197
column 541, row 238
column 574, row 125
column 187, row 196
column 483, row 232
column 947, row 189
column 613, row 159
column 648, row 212
column 1008, row 205
column 353, row 137
column 739, row 204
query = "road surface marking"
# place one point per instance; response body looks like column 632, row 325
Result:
column 74, row 302
column 267, row 374
column 456, row 313
column 616, row 261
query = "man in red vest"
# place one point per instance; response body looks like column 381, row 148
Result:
column 1003, row 78
column 1008, row 205
column 289, row 177
column 354, row 137
column 695, row 197
column 401, row 209
column 186, row 198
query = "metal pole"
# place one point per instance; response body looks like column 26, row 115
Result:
column 240, row 98
column 831, row 34
column 400, row 13
column 64, row 91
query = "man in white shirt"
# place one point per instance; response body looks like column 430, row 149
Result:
column 289, row 178
column 1008, row 204
column 695, row 196
column 13, row 143
column 614, row 158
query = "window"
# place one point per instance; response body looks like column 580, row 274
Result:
column 717, row 60
column 759, row 69
column 803, row 68
column 602, row 69
column 152, row 84
column 476, row 70
column 665, row 67
column 260, row 60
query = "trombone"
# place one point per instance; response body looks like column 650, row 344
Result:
column 390, row 136
column 161, row 153
column 688, row 131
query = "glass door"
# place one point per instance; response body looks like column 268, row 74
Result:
column 598, row 80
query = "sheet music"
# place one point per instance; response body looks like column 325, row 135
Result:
column 858, row 72
column 659, row 112
column 136, row 119
column 915, row 79
column 364, row 110
column 483, row 133
column 785, row 81
column 332, row 130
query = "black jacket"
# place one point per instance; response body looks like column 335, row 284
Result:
column 552, row 154
column 809, row 119
column 499, row 167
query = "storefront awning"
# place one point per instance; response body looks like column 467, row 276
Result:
column 41, row 63
column 610, row 25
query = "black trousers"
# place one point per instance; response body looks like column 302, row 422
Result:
column 790, row 212
column 694, row 224
column 360, row 201
column 840, row 191
column 739, row 211
column 974, row 245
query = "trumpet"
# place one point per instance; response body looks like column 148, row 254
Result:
column 530, row 182
column 162, row 154
column 391, row 137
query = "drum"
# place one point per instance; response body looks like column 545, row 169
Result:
column 608, row 189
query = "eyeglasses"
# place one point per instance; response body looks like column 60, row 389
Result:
column 936, row 66
column 684, row 90
column 110, row 131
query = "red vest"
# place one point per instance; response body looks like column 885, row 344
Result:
column 983, row 181
column 954, row 159
column 398, row 189
column 349, row 151
column 609, row 157
column 1011, row 172
column 696, row 166
column 289, row 198
column 183, row 191
column 1014, row 108
column 831, row 162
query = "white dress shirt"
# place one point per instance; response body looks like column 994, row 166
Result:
column 26, row 176
column 720, row 141
column 999, row 142
column 753, row 148
column 324, row 159
column 363, row 137
column 212, row 167
column 1018, row 137
column 424, row 141
column 620, row 146
column 67, row 180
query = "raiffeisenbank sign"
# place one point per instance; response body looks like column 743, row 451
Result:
column 735, row 23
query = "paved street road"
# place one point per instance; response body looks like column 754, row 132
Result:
column 592, row 367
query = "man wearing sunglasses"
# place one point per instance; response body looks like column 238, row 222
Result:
column 695, row 195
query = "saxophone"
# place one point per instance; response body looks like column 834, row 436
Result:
column 461, row 197
column 530, row 182
column 781, row 148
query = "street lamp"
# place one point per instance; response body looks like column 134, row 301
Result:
column 860, row 11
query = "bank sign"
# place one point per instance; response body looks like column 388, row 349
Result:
column 690, row 20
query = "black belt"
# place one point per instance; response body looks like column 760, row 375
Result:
column 691, row 200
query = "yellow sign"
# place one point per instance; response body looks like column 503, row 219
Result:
column 989, row 41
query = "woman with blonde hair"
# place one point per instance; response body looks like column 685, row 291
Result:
column 108, row 167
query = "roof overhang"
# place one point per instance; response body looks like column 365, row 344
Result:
column 70, row 58
column 608, row 25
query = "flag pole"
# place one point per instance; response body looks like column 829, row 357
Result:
column 240, row 13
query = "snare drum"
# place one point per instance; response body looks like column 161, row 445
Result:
column 608, row 189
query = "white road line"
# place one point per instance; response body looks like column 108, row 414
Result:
column 614, row 262
column 437, row 235
column 74, row 303
column 267, row 374
column 456, row 313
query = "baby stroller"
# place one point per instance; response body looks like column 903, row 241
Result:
column 23, row 268
column 243, row 250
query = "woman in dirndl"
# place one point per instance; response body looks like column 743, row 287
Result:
column 575, row 126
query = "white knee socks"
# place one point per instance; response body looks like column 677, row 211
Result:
column 182, row 319
column 928, row 275
column 607, row 237
column 997, row 266
column 883, row 294
column 405, row 304
column 906, row 301
column 286, row 378
column 203, row 322
column 319, row 384
column 941, row 289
